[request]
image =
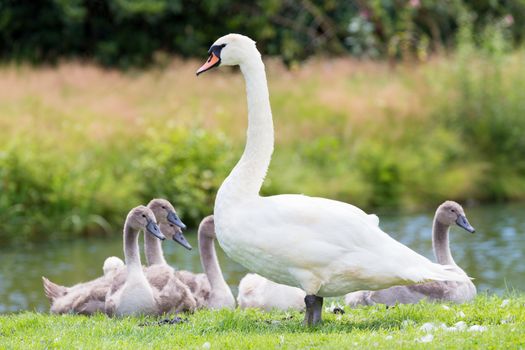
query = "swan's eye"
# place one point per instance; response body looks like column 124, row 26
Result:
column 143, row 215
column 453, row 210
column 171, row 225
column 163, row 207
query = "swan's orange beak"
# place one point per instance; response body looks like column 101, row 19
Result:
column 212, row 61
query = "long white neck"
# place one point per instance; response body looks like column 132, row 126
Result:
column 153, row 250
column 246, row 178
column 131, row 249
column 440, row 243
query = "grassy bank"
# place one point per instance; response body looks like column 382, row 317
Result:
column 502, row 322
column 81, row 145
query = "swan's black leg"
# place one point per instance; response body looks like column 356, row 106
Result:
column 309, row 301
column 318, row 310
column 314, row 309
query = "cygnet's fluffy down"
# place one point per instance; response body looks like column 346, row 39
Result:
column 258, row 292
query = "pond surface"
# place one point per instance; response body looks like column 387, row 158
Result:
column 494, row 255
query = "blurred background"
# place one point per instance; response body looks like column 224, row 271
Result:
column 391, row 105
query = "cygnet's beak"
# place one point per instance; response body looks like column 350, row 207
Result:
column 179, row 238
column 154, row 229
column 175, row 220
column 463, row 223
column 213, row 61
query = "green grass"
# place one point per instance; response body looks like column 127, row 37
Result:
column 365, row 328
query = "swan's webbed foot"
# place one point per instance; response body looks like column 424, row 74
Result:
column 314, row 309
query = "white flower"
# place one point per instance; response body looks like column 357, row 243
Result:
column 508, row 20
column 415, row 3
column 427, row 327
column 426, row 339
column 477, row 328
column 445, row 307
column 206, row 345
column 461, row 325
column 388, row 337
column 505, row 303
column 461, row 314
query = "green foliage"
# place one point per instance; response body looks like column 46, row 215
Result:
column 130, row 33
column 374, row 327
column 44, row 196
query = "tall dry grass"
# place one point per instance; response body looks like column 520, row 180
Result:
column 81, row 144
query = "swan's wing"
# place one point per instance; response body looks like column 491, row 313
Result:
column 374, row 219
column 158, row 275
column 329, row 239
column 175, row 297
column 91, row 307
column 198, row 285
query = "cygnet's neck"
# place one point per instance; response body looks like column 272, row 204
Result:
column 246, row 178
column 209, row 261
column 153, row 250
column 440, row 243
column 131, row 248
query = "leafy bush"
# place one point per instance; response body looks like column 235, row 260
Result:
column 130, row 33
column 44, row 196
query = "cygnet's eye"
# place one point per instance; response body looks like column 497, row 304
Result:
column 171, row 225
column 143, row 215
column 453, row 210
column 163, row 207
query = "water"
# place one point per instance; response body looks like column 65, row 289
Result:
column 494, row 256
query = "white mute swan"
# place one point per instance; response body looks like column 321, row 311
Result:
column 447, row 214
column 325, row 247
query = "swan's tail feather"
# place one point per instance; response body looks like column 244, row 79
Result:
column 53, row 290
column 439, row 273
